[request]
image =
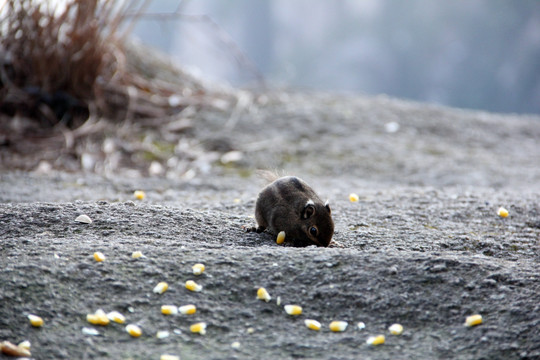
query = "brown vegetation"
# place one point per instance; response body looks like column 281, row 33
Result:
column 69, row 72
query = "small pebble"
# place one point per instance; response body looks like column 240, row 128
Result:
column 83, row 219
column 162, row 334
column 90, row 331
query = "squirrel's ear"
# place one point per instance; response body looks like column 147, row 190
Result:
column 327, row 206
column 309, row 209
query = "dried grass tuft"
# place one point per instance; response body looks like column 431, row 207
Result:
column 69, row 79
column 60, row 64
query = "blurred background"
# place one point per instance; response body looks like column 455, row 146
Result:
column 478, row 54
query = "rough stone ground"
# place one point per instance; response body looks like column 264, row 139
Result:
column 423, row 247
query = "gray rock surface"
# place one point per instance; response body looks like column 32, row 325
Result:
column 423, row 247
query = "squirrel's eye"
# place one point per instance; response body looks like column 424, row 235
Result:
column 313, row 231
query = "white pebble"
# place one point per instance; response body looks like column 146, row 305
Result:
column 90, row 331
column 83, row 219
column 162, row 334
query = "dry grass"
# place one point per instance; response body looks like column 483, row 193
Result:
column 69, row 80
column 62, row 65
column 57, row 61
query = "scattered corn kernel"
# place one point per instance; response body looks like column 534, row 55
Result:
column 502, row 212
column 90, row 331
column 169, row 310
column 395, row 329
column 83, row 219
column 35, row 320
column 116, row 317
column 338, row 326
column 198, row 328
column 262, row 294
column 98, row 318
column 25, row 345
column 278, row 301
column 169, row 357
column 139, row 194
column 353, row 197
column 473, row 320
column 293, row 309
column 161, row 287
column 235, row 345
column 198, row 269
column 133, row 330
column 250, row 330
column 187, row 309
column 280, row 237
column 162, row 334
column 13, row 350
column 98, row 256
column 137, row 254
column 193, row 286
column 312, row 324
column 375, row 340
column 361, row 325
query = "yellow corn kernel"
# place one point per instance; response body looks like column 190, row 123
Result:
column 98, row 256
column 293, row 309
column 280, row 237
column 116, row 317
column 25, row 345
column 395, row 329
column 235, row 345
column 169, row 357
column 502, row 212
column 13, row 350
column 338, row 326
column 98, row 318
column 473, row 320
column 92, row 319
column 361, row 325
column 262, row 294
column 161, row 287
column 375, row 340
column 187, row 309
column 198, row 269
column 312, row 324
column 133, row 330
column 353, row 197
column 137, row 254
column 193, row 286
column 169, row 310
column 35, row 320
column 139, row 194
column 198, row 328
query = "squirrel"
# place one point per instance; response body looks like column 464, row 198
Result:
column 289, row 204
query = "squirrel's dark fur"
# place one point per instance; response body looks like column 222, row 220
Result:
column 289, row 204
